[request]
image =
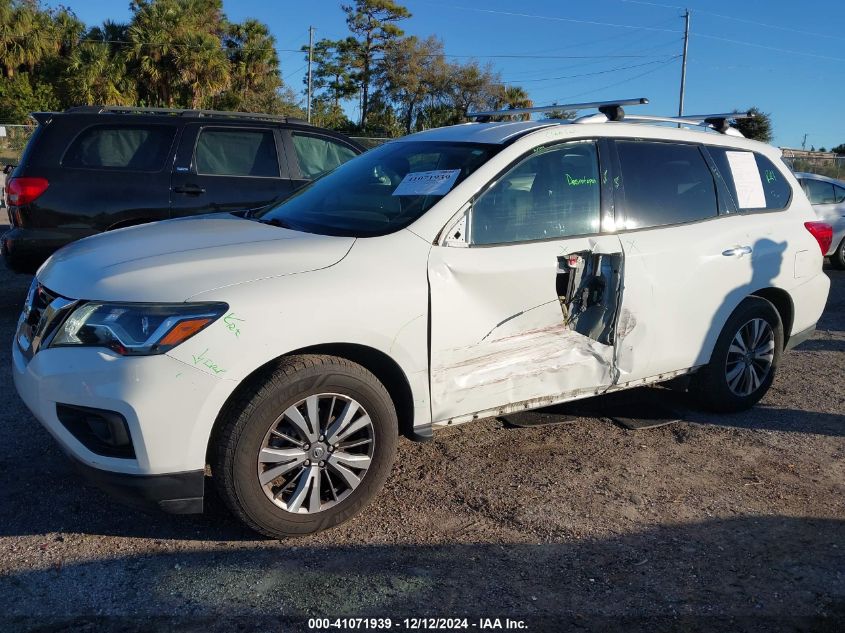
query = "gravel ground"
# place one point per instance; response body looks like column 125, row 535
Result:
column 732, row 522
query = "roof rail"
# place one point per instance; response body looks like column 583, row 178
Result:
column 100, row 109
column 611, row 109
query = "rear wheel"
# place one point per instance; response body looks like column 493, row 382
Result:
column 837, row 259
column 744, row 360
column 307, row 447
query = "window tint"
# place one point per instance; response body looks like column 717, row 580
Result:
column 775, row 190
column 665, row 183
column 318, row 155
column 818, row 191
column 839, row 194
column 554, row 193
column 237, row 153
column 134, row 148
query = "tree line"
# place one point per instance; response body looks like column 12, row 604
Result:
column 188, row 54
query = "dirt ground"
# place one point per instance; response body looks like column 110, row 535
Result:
column 719, row 522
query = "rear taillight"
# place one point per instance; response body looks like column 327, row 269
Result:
column 20, row 191
column 823, row 234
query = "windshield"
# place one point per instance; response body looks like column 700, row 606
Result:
column 381, row 191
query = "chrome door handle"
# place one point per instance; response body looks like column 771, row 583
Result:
column 737, row 251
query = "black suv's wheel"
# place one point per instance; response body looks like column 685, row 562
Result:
column 744, row 360
column 837, row 259
column 307, row 447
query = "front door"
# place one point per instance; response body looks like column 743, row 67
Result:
column 524, row 306
column 220, row 168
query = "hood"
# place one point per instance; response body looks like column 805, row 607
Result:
column 173, row 260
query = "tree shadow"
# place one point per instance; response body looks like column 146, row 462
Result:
column 744, row 574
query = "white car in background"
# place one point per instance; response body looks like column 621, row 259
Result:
column 827, row 195
column 451, row 275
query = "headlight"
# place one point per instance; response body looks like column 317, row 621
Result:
column 136, row 328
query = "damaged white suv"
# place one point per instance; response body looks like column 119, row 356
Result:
column 454, row 274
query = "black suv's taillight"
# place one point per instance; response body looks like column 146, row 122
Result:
column 23, row 190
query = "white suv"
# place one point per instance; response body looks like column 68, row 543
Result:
column 454, row 274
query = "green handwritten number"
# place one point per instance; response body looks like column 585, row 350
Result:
column 770, row 176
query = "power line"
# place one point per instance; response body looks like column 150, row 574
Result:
column 735, row 19
column 768, row 48
column 599, row 72
column 619, row 83
column 553, row 18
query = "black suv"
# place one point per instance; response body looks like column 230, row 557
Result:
column 92, row 168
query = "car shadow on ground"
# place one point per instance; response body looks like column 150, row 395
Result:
column 746, row 574
column 662, row 404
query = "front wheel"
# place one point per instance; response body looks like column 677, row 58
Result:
column 306, row 446
column 744, row 359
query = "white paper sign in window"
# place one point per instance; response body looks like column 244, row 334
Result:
column 749, row 185
column 427, row 183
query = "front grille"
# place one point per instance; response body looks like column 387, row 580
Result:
column 42, row 314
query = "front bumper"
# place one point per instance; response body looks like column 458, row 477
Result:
column 169, row 408
column 174, row 493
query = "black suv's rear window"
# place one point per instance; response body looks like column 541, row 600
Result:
column 129, row 147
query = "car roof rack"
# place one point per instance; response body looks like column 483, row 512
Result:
column 102, row 109
column 611, row 109
column 719, row 122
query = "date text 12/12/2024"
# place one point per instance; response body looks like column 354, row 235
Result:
column 416, row 624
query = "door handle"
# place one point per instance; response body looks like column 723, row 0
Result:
column 193, row 190
column 737, row 251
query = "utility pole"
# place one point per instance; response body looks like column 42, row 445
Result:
column 684, row 65
column 310, row 60
column 804, row 142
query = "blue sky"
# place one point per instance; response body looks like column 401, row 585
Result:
column 787, row 58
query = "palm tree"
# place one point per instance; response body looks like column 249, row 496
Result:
column 202, row 66
column 26, row 36
column 514, row 98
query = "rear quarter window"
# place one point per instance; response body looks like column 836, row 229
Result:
column 123, row 147
column 752, row 179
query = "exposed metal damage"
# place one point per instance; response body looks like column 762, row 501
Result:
column 551, row 351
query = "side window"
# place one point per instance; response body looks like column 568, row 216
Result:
column 236, row 152
column 819, row 191
column 130, row 148
column 838, row 194
column 553, row 193
column 317, row 155
column 754, row 182
column 665, row 183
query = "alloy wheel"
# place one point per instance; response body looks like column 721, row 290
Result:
column 316, row 453
column 750, row 357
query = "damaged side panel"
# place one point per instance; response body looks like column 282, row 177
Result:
column 522, row 322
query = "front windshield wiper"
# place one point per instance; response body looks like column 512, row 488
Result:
column 283, row 224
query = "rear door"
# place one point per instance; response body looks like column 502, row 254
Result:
column 228, row 168
column 695, row 246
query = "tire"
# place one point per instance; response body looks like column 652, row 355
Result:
column 837, row 259
column 717, row 386
column 261, row 466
